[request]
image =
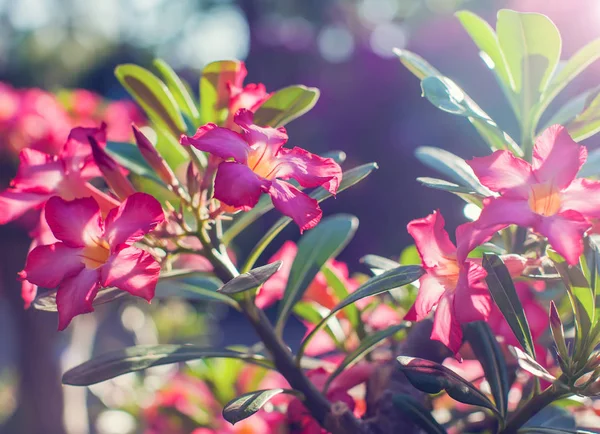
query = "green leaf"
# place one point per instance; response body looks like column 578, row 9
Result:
column 130, row 157
column 250, row 280
column 285, row 105
column 399, row 276
column 214, row 95
column 367, row 345
column 558, row 334
column 335, row 282
column 432, row 378
column 415, row 64
column 350, row 178
column 378, row 262
column 440, row 184
column 410, row 256
column 314, row 313
column 412, row 408
column 179, row 90
column 315, row 248
column 486, row 40
column 505, row 296
column 449, row 97
column 586, row 123
column 489, row 353
column 246, row 405
column 115, row 363
column 572, row 108
column 153, row 95
column 528, row 363
column 338, row 156
column 452, row 166
column 552, row 417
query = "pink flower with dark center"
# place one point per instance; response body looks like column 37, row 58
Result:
column 94, row 253
column 256, row 162
column 544, row 195
column 456, row 289
column 41, row 176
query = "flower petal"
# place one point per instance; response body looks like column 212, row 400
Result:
column 14, row 203
column 291, row 202
column 504, row 173
column 135, row 217
column 77, row 223
column 272, row 290
column 272, row 138
column 432, row 240
column 237, row 185
column 583, row 196
column 250, row 97
column 221, row 142
column 308, row 169
column 38, row 172
column 47, row 266
column 472, row 294
column 132, row 270
column 565, row 233
column 75, row 296
column 496, row 214
column 446, row 328
column 382, row 317
column 77, row 153
column 557, row 157
column 430, row 292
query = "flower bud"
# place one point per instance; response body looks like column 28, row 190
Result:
column 111, row 170
column 192, row 179
column 154, row 159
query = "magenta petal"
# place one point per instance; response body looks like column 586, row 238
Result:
column 77, row 223
column 497, row 214
column 290, row 201
column 237, row 185
column 132, row 270
column 432, row 240
column 308, row 169
column 136, row 216
column 75, row 296
column 557, row 157
column 220, row 142
column 14, row 203
column 583, row 196
column 504, row 173
column 565, row 233
column 77, row 152
column 38, row 172
column 273, row 138
column 446, row 328
column 472, row 294
column 430, row 291
column 47, row 266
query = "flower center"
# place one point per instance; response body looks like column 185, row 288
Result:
column 447, row 273
column 95, row 255
column 544, row 199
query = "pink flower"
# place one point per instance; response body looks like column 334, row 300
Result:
column 250, row 97
column 261, row 165
column 41, row 176
column 93, row 253
column 456, row 289
column 545, row 195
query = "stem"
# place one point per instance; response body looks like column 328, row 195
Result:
column 224, row 268
column 534, row 406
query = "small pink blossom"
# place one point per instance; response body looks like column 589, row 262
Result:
column 249, row 97
column 545, row 195
column 256, row 162
column 94, row 253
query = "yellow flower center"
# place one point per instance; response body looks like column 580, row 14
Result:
column 447, row 272
column 95, row 255
column 544, row 199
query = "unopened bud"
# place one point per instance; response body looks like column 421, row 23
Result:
column 584, row 379
column 192, row 179
column 154, row 159
column 113, row 173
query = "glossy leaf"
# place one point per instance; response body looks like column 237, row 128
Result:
column 285, row 105
column 558, row 333
column 432, row 378
column 314, row 313
column 419, row 415
column 416, row 64
column 378, row 262
column 340, row 291
column 527, row 363
column 552, row 417
column 349, row 178
column 153, row 95
column 246, row 405
column 505, row 296
column 572, row 108
column 132, row 359
column 179, row 90
column 440, row 184
column 250, row 280
column 214, row 94
column 130, row 157
column 587, row 122
column 489, row 353
column 315, row 248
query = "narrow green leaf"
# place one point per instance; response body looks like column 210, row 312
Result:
column 489, row 353
column 440, row 184
column 378, row 262
column 558, row 333
column 349, row 178
column 115, row 363
column 415, row 64
column 315, row 248
column 505, row 296
column 399, row 276
column 335, row 282
column 214, row 94
column 179, row 90
column 250, row 280
column 129, row 156
column 528, row 363
column 285, row 105
column 432, row 378
column 367, row 345
column 153, row 95
column 572, row 108
column 586, row 123
column 418, row 414
column 314, row 313
column 246, row 405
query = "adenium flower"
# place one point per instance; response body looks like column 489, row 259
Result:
column 260, row 164
column 544, row 195
column 456, row 289
column 41, row 176
column 94, row 253
column 249, row 97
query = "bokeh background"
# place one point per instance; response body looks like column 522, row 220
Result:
column 370, row 107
